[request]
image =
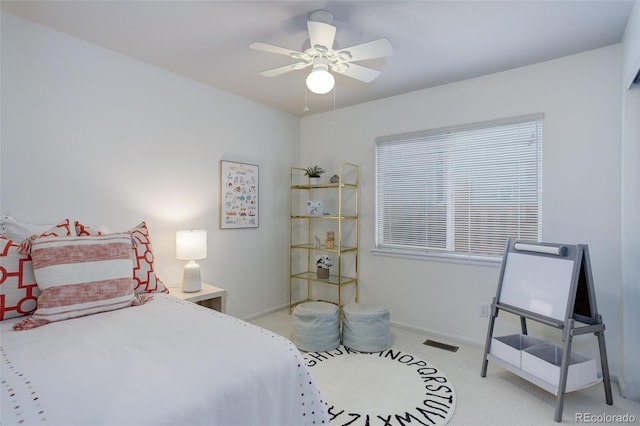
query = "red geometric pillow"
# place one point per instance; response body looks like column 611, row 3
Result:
column 144, row 275
column 63, row 229
column 18, row 289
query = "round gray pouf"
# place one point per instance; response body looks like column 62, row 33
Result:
column 366, row 328
column 316, row 326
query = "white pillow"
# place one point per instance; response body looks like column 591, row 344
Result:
column 18, row 231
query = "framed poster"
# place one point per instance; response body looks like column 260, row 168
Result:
column 238, row 195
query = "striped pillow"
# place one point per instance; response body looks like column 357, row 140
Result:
column 80, row 276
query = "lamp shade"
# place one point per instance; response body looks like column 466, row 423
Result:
column 320, row 81
column 191, row 244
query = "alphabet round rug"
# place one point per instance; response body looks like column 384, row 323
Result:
column 389, row 388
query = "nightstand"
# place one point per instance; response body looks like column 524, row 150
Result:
column 209, row 296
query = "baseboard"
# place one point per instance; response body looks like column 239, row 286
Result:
column 439, row 335
column 628, row 392
column 414, row 329
column 267, row 312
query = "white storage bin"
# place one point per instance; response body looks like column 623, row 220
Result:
column 544, row 361
column 509, row 348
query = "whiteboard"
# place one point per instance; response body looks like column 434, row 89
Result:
column 538, row 284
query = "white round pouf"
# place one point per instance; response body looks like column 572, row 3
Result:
column 366, row 328
column 316, row 326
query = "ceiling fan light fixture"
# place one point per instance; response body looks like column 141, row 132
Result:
column 324, row 60
column 320, row 81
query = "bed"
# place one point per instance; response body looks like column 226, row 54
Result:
column 168, row 361
column 158, row 361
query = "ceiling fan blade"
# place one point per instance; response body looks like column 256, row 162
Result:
column 281, row 70
column 321, row 34
column 369, row 50
column 276, row 49
column 358, row 72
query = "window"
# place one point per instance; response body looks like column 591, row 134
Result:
column 460, row 191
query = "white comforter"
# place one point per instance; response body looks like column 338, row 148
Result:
column 167, row 362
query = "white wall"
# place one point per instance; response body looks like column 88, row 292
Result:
column 630, row 384
column 96, row 136
column 99, row 137
column 580, row 98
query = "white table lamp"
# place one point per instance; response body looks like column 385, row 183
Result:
column 191, row 245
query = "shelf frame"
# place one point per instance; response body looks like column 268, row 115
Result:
column 348, row 181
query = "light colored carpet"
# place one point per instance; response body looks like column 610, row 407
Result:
column 381, row 388
column 499, row 399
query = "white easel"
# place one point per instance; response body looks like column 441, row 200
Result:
column 551, row 284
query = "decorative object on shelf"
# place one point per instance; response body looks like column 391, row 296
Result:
column 314, row 173
column 334, row 179
column 238, row 195
column 191, row 245
column 314, row 208
column 323, row 273
column 330, row 241
column 323, row 263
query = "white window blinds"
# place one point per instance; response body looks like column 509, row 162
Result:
column 462, row 190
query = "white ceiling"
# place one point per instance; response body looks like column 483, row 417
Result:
column 434, row 42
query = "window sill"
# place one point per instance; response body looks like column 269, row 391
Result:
column 440, row 257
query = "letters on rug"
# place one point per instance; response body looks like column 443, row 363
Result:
column 381, row 388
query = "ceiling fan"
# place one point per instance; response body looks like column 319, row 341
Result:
column 322, row 57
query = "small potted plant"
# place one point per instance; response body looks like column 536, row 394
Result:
column 314, row 173
column 323, row 263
